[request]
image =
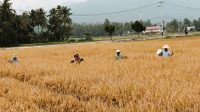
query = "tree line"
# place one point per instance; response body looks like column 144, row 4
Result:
column 99, row 29
column 176, row 26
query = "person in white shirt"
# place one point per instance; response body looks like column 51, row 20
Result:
column 164, row 52
column 119, row 56
column 14, row 59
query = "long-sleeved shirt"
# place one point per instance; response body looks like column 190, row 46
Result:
column 118, row 57
column 166, row 53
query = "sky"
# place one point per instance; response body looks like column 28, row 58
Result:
column 153, row 13
column 79, row 7
column 46, row 4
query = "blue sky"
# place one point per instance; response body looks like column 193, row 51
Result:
column 101, row 6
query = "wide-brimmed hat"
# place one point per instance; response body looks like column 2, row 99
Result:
column 166, row 46
column 118, row 51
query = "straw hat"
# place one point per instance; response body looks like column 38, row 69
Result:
column 118, row 51
column 15, row 55
column 166, row 46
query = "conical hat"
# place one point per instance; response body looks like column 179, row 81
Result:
column 166, row 46
column 118, row 50
column 15, row 55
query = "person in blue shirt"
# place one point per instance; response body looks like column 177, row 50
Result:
column 164, row 52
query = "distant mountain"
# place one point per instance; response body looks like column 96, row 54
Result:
column 153, row 12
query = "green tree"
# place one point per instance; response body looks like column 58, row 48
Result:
column 23, row 28
column 1, row 30
column 22, row 24
column 8, row 33
column 109, row 28
column 88, row 36
column 147, row 23
column 7, row 13
column 173, row 26
column 197, row 24
column 53, row 23
column 138, row 27
column 66, row 21
column 41, row 21
column 33, row 21
column 187, row 22
column 60, row 23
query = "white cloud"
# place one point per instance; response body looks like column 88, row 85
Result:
column 46, row 4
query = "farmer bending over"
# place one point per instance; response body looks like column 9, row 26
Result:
column 164, row 52
column 119, row 56
column 77, row 59
column 14, row 59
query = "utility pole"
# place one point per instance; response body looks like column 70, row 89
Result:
column 161, row 4
column 141, row 15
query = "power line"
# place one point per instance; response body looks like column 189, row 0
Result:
column 181, row 6
column 155, row 17
column 167, row 17
column 117, row 12
column 109, row 13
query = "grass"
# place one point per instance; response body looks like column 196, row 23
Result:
column 46, row 81
column 106, row 38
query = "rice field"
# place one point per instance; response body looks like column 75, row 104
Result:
column 46, row 81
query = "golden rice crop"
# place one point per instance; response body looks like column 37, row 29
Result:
column 45, row 80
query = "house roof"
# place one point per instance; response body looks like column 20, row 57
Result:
column 153, row 27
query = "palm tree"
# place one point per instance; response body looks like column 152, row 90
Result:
column 7, row 21
column 22, row 23
column 7, row 13
column 66, row 20
column 1, row 30
column 33, row 20
column 41, row 20
column 65, row 13
column 53, row 23
column 60, row 23
column 0, row 11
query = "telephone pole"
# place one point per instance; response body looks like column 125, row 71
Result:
column 141, row 15
column 161, row 4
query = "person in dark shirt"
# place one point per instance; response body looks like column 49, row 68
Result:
column 77, row 59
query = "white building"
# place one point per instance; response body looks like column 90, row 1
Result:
column 152, row 29
column 191, row 28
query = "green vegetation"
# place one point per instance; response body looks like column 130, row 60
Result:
column 138, row 27
column 109, row 28
column 88, row 36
